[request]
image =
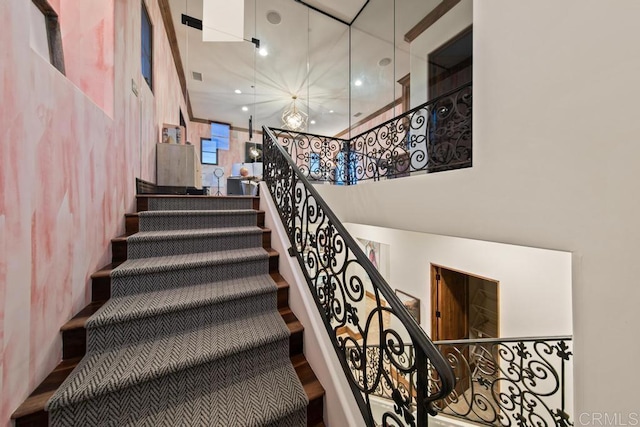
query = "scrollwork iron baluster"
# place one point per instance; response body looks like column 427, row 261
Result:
column 376, row 357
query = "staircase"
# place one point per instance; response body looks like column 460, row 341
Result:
column 189, row 325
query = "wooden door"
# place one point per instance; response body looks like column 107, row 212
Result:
column 450, row 320
column 450, row 304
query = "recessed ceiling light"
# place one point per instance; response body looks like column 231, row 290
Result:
column 274, row 17
column 238, row 91
column 263, row 51
column 313, row 122
column 331, row 111
column 384, row 62
column 245, row 108
column 358, row 82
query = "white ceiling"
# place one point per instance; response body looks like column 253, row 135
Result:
column 308, row 56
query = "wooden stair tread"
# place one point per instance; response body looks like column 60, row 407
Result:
column 291, row 320
column 310, row 383
column 105, row 271
column 280, row 282
column 80, row 319
column 36, row 401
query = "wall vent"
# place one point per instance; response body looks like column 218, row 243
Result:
column 197, row 76
column 358, row 114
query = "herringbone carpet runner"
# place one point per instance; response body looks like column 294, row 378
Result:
column 191, row 335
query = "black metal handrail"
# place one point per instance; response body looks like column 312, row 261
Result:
column 508, row 381
column 432, row 137
column 343, row 282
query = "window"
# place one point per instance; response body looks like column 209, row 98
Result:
column 208, row 152
column 220, row 134
column 147, row 47
column 219, row 140
column 45, row 35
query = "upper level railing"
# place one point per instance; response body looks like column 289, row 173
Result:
column 359, row 309
column 522, row 382
column 433, row 137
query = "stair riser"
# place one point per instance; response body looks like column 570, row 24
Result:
column 193, row 203
column 145, row 249
column 315, row 411
column 38, row 419
column 132, row 222
column 137, row 283
column 151, row 328
column 194, row 222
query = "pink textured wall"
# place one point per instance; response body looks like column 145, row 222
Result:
column 87, row 38
column 68, row 163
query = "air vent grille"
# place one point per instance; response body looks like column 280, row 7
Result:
column 197, row 76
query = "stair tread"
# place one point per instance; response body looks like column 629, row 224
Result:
column 136, row 306
column 36, row 401
column 172, row 262
column 195, row 233
column 310, row 382
column 105, row 271
column 115, row 369
column 80, row 319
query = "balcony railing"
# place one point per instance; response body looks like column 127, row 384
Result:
column 499, row 382
column 433, row 137
column 368, row 325
column 509, row 382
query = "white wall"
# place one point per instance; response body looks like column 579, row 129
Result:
column 535, row 284
column 555, row 139
column 443, row 30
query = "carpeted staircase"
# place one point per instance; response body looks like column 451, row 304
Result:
column 192, row 334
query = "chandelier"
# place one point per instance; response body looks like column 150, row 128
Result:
column 293, row 119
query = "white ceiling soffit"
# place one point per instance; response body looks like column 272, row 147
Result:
column 344, row 10
column 222, row 20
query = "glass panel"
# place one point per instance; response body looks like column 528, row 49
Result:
column 328, row 75
column 373, row 77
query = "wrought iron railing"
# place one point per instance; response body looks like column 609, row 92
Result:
column 433, row 137
column 398, row 379
column 499, row 382
column 315, row 155
column 359, row 309
column 509, row 382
